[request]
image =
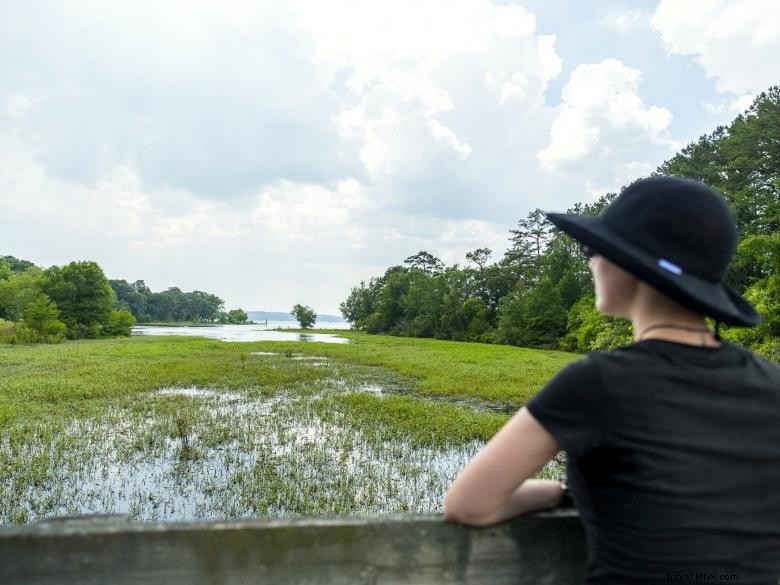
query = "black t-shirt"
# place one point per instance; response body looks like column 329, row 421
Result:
column 673, row 461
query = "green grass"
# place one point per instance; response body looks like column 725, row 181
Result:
column 498, row 375
column 85, row 376
column 403, row 418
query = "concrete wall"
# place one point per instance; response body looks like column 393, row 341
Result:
column 540, row 549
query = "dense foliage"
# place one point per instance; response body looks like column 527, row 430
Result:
column 539, row 293
column 173, row 305
column 76, row 301
column 73, row 301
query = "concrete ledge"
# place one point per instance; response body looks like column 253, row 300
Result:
column 544, row 548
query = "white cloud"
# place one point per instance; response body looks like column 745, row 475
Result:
column 116, row 208
column 17, row 105
column 406, row 33
column 741, row 103
column 388, row 125
column 624, row 20
column 732, row 106
column 550, row 63
column 401, row 88
column 599, row 97
column 459, row 237
column 736, row 42
column 291, row 211
column 619, row 176
column 508, row 87
column 445, row 136
column 571, row 137
column 448, row 240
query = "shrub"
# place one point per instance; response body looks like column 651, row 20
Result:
column 42, row 318
column 120, row 322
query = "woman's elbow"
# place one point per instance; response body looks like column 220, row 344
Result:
column 462, row 514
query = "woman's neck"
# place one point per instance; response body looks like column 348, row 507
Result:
column 671, row 322
column 670, row 331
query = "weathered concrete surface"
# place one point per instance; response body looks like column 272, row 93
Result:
column 547, row 548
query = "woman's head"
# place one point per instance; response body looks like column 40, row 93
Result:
column 621, row 294
column 673, row 234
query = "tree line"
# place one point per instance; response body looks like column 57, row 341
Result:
column 539, row 292
column 173, row 305
column 77, row 301
column 46, row 305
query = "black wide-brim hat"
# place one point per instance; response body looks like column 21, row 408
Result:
column 675, row 234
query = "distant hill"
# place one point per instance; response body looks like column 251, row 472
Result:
column 275, row 316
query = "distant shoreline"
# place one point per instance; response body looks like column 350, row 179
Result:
column 281, row 316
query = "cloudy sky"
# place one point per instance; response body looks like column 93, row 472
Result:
column 279, row 151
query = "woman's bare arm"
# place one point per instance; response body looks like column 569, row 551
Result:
column 494, row 485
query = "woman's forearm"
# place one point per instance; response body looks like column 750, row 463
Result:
column 531, row 495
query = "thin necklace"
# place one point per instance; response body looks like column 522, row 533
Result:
column 700, row 330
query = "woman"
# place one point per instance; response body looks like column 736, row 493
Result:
column 673, row 442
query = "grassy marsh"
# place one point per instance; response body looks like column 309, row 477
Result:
column 180, row 428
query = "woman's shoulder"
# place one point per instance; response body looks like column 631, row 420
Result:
column 658, row 357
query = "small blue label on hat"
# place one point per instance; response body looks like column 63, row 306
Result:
column 671, row 267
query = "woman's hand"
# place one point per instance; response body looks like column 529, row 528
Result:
column 494, row 485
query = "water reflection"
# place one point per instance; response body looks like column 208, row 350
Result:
column 257, row 332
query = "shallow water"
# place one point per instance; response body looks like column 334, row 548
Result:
column 278, row 458
column 237, row 333
column 184, row 453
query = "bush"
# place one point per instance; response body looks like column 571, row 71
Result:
column 120, row 323
column 7, row 330
column 589, row 330
column 19, row 334
column 764, row 339
column 42, row 317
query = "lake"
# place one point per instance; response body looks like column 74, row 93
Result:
column 254, row 332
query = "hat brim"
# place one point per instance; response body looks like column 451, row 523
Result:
column 713, row 299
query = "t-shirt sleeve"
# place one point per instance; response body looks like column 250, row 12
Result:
column 572, row 407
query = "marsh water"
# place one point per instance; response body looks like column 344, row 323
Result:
column 234, row 455
column 184, row 453
column 289, row 447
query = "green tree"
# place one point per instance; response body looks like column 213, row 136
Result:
column 421, row 304
column 536, row 318
column 426, row 262
column 5, row 269
column 133, row 296
column 590, row 330
column 472, row 320
column 18, row 291
column 237, row 317
column 389, row 315
column 15, row 264
column 480, row 257
column 42, row 317
column 361, row 302
column 83, row 295
column 305, row 316
column 532, row 234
